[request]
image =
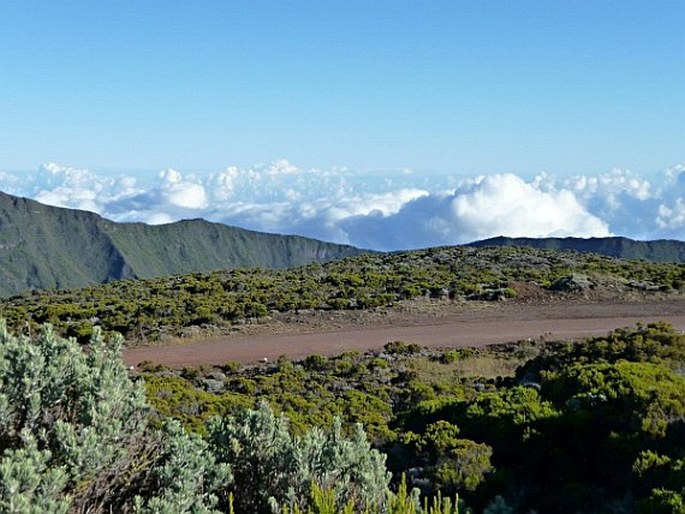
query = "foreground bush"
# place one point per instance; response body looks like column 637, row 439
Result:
column 74, row 435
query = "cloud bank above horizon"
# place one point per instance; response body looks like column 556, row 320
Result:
column 383, row 210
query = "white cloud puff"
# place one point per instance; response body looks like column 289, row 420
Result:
column 614, row 183
column 505, row 204
column 180, row 192
column 77, row 188
column 671, row 217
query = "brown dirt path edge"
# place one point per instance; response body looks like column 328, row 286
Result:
column 470, row 328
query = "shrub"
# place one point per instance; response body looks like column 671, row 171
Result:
column 75, row 437
column 271, row 466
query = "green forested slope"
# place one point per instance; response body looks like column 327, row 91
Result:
column 47, row 247
column 171, row 249
column 43, row 247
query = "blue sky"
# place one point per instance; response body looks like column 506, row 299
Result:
column 389, row 97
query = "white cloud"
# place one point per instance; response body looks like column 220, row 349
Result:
column 505, row 204
column 384, row 204
column 157, row 218
column 385, row 209
column 674, row 174
column 615, row 183
column 626, row 201
column 179, row 192
column 77, row 188
column 482, row 208
column 672, row 217
column 223, row 184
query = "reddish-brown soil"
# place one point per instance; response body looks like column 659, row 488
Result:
column 439, row 323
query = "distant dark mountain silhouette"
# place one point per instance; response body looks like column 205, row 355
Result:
column 44, row 247
column 661, row 250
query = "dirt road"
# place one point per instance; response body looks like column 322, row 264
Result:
column 468, row 326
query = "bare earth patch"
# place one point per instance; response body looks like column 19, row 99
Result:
column 437, row 323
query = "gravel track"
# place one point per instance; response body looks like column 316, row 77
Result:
column 459, row 326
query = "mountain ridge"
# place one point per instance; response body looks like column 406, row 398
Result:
column 658, row 250
column 46, row 247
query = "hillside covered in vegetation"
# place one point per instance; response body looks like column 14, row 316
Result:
column 44, row 247
column 155, row 309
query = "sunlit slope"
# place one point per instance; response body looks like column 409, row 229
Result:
column 44, row 247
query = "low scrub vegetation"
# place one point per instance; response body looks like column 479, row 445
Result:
column 153, row 309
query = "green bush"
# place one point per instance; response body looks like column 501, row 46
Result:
column 75, row 434
column 270, row 466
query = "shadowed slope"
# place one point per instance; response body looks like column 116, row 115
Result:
column 661, row 250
